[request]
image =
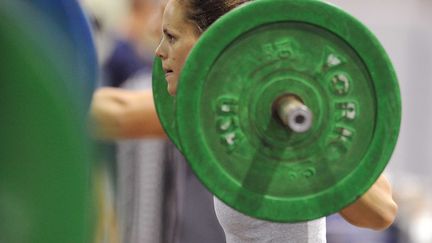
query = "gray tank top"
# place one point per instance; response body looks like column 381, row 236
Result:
column 240, row 228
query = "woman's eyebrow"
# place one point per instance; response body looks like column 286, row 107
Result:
column 168, row 32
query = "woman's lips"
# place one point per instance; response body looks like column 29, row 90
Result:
column 168, row 73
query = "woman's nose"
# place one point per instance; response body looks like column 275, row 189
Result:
column 159, row 52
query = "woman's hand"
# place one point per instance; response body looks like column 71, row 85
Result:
column 120, row 114
column 376, row 209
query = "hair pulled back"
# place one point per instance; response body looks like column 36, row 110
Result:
column 204, row 12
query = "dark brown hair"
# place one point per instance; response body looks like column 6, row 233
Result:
column 204, row 12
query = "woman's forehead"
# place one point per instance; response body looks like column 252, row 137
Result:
column 174, row 17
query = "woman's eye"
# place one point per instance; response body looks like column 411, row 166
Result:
column 171, row 38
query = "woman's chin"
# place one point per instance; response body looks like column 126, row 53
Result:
column 172, row 90
column 172, row 84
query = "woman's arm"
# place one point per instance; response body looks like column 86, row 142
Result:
column 117, row 113
column 376, row 209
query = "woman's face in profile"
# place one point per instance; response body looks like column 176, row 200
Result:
column 178, row 37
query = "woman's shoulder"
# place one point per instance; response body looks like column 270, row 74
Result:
column 239, row 227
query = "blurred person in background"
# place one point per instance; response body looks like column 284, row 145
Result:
column 134, row 44
column 129, row 66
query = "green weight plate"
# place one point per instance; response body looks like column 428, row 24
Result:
column 242, row 152
column 164, row 102
column 45, row 151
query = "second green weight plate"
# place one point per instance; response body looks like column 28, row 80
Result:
column 164, row 102
column 240, row 150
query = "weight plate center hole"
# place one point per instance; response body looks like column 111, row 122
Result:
column 293, row 113
column 300, row 119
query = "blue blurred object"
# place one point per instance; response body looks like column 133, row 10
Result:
column 69, row 17
column 68, row 34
